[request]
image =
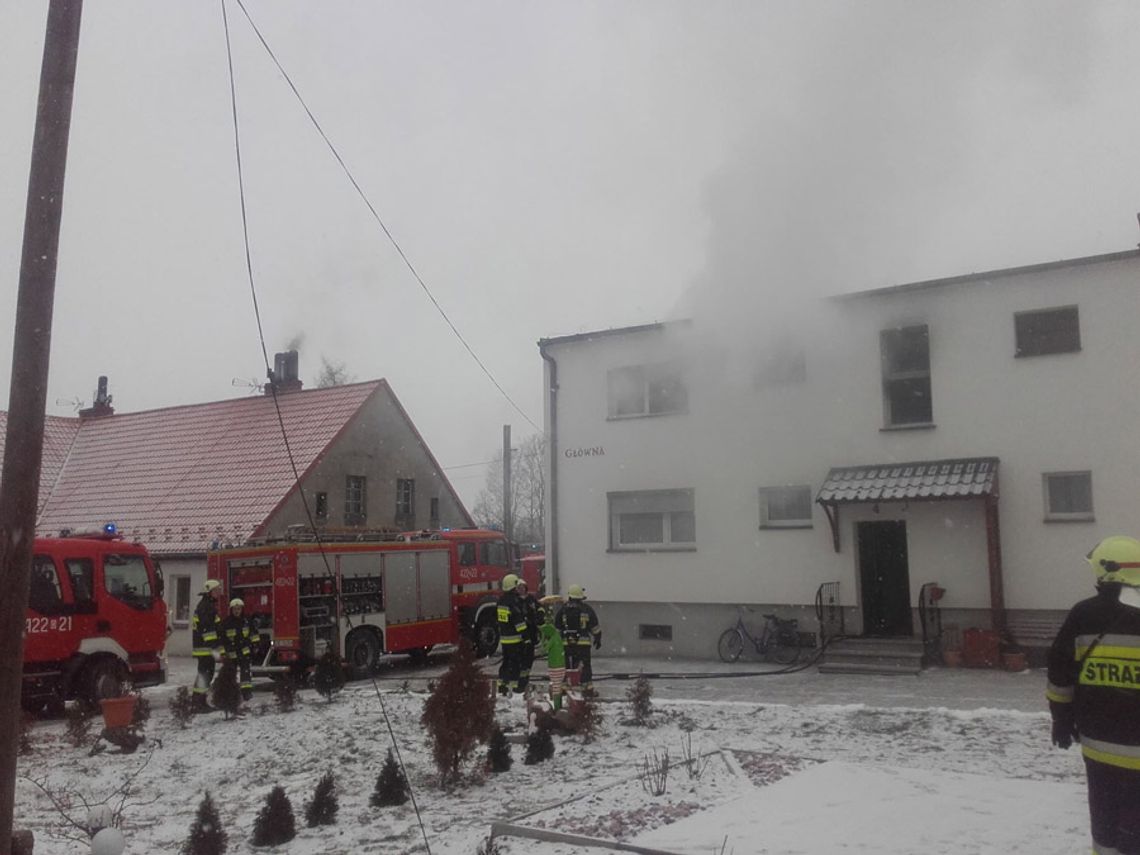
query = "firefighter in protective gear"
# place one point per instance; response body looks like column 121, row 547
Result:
column 512, row 622
column 1094, row 693
column 205, row 626
column 240, row 638
column 578, row 624
column 530, row 634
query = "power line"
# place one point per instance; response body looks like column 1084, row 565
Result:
column 277, row 404
column 376, row 216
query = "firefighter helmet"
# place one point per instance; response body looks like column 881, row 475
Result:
column 510, row 582
column 576, row 592
column 211, row 586
column 1116, row 559
column 237, row 603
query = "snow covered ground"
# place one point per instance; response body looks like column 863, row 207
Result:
column 791, row 770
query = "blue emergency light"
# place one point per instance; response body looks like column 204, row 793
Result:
column 110, row 528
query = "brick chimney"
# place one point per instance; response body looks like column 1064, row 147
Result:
column 285, row 373
column 102, row 404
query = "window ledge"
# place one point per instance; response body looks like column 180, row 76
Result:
column 627, row 550
column 633, row 416
column 1070, row 518
column 1017, row 355
column 786, row 526
column 916, row 426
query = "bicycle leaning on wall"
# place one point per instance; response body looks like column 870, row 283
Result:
column 778, row 640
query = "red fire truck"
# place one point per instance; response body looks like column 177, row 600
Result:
column 394, row 593
column 95, row 620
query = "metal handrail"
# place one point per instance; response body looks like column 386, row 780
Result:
column 828, row 612
column 930, row 617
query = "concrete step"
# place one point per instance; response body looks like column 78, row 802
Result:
column 885, row 668
column 873, row 656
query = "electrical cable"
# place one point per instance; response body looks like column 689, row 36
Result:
column 376, row 216
column 277, row 404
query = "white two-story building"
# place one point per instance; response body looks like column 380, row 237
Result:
column 978, row 432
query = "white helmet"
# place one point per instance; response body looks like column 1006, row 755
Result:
column 237, row 603
column 211, row 586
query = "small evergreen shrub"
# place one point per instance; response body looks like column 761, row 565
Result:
column 207, row 836
column 328, row 677
column 640, row 696
column 323, row 808
column 274, row 823
column 225, row 694
column 78, row 725
column 285, row 693
column 182, row 707
column 589, row 718
column 459, row 714
column 499, row 752
column 539, row 747
column 391, row 786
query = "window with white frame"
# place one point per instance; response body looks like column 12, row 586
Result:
column 652, row 520
column 1046, row 331
column 1068, row 496
column 905, row 353
column 785, row 507
column 355, row 499
column 181, row 604
column 646, row 390
column 405, row 497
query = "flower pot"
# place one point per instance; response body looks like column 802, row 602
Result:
column 1014, row 661
column 952, row 658
column 118, row 712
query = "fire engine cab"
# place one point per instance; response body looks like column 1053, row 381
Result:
column 95, row 621
column 365, row 594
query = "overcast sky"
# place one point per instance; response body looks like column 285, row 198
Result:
column 549, row 168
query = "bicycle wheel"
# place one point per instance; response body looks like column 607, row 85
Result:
column 785, row 649
column 731, row 645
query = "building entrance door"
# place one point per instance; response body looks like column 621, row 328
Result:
column 885, row 578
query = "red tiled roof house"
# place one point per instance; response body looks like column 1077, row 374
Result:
column 182, row 479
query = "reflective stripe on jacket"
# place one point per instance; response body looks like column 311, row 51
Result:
column 204, row 627
column 1094, row 677
column 511, row 614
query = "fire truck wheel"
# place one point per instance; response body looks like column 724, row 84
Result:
column 486, row 634
column 102, row 678
column 362, row 651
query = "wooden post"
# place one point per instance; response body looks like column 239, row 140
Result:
column 19, row 487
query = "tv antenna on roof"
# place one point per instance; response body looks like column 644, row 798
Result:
column 75, row 403
column 254, row 387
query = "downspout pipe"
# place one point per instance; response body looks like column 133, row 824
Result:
column 552, row 450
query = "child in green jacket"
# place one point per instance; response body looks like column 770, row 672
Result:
column 555, row 658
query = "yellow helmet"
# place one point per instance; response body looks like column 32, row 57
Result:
column 1116, row 559
column 211, row 586
column 576, row 592
column 237, row 603
column 510, row 582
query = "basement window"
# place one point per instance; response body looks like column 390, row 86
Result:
column 655, row 632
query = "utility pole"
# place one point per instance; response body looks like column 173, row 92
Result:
column 27, row 402
column 507, row 526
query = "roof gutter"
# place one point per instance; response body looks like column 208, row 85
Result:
column 552, row 450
